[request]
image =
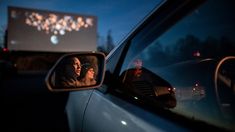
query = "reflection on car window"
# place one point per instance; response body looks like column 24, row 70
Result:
column 186, row 56
column 139, row 82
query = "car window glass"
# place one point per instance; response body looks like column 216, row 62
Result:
column 195, row 59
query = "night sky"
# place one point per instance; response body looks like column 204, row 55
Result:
column 118, row 16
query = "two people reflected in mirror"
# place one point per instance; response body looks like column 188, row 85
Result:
column 71, row 74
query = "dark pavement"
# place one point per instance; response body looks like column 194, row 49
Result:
column 29, row 106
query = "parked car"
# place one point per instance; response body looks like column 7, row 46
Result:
column 174, row 72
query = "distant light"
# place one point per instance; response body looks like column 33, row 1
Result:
column 197, row 54
column 5, row 49
column 124, row 123
column 196, row 84
column 136, row 98
column 169, row 89
column 62, row 32
column 13, row 42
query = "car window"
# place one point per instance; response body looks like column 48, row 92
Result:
column 192, row 64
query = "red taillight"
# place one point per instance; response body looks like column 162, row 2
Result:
column 5, row 50
column 197, row 54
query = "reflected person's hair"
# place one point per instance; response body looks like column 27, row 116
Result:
column 65, row 71
column 85, row 68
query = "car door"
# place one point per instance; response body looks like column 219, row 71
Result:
column 109, row 112
column 151, row 86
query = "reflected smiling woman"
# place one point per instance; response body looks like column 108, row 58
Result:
column 87, row 75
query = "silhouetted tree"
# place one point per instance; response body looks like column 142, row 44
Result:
column 2, row 32
column 109, row 43
column 105, row 47
column 186, row 48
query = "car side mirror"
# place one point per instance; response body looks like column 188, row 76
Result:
column 77, row 71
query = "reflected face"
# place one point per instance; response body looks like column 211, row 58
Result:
column 77, row 66
column 90, row 73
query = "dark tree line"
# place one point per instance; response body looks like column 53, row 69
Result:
column 185, row 48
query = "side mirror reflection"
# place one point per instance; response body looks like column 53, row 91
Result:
column 142, row 83
column 77, row 72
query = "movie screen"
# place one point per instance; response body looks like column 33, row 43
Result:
column 38, row 30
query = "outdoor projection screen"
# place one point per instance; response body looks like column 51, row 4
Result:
column 38, row 30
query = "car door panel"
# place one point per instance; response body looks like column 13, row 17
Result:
column 121, row 116
column 75, row 113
